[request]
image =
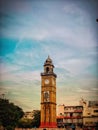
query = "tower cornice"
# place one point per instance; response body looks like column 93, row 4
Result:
column 49, row 74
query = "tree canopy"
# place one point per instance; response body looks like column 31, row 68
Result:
column 36, row 119
column 9, row 114
column 29, row 123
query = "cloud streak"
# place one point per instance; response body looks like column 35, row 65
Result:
column 30, row 32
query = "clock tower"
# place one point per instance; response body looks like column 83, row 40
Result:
column 48, row 96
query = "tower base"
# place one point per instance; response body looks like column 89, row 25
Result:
column 48, row 125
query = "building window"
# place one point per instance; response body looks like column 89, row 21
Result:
column 60, row 114
column 47, row 69
column 95, row 110
column 71, row 114
column 65, row 108
column 88, row 113
column 65, row 114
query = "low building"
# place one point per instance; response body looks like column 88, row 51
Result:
column 90, row 113
column 85, row 114
column 68, row 115
column 29, row 115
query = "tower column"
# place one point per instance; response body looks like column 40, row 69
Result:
column 48, row 96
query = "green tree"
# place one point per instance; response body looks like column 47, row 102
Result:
column 36, row 119
column 29, row 123
column 25, row 123
column 9, row 114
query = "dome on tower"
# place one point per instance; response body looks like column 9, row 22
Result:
column 48, row 68
column 48, row 61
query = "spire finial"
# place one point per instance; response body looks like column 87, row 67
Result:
column 48, row 60
column 48, row 57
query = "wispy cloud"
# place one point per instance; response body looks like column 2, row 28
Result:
column 32, row 31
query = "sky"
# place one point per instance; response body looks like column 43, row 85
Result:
column 67, row 31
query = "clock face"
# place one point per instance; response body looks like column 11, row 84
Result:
column 46, row 81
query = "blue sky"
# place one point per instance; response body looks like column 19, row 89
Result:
column 67, row 31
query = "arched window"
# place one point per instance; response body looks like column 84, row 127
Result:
column 47, row 69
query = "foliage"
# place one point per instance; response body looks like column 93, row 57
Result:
column 9, row 114
column 36, row 119
column 29, row 123
column 25, row 123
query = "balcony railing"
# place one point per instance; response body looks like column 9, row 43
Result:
column 69, row 117
column 74, row 111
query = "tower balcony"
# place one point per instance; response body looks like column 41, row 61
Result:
column 49, row 74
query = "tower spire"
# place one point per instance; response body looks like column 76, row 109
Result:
column 48, row 56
